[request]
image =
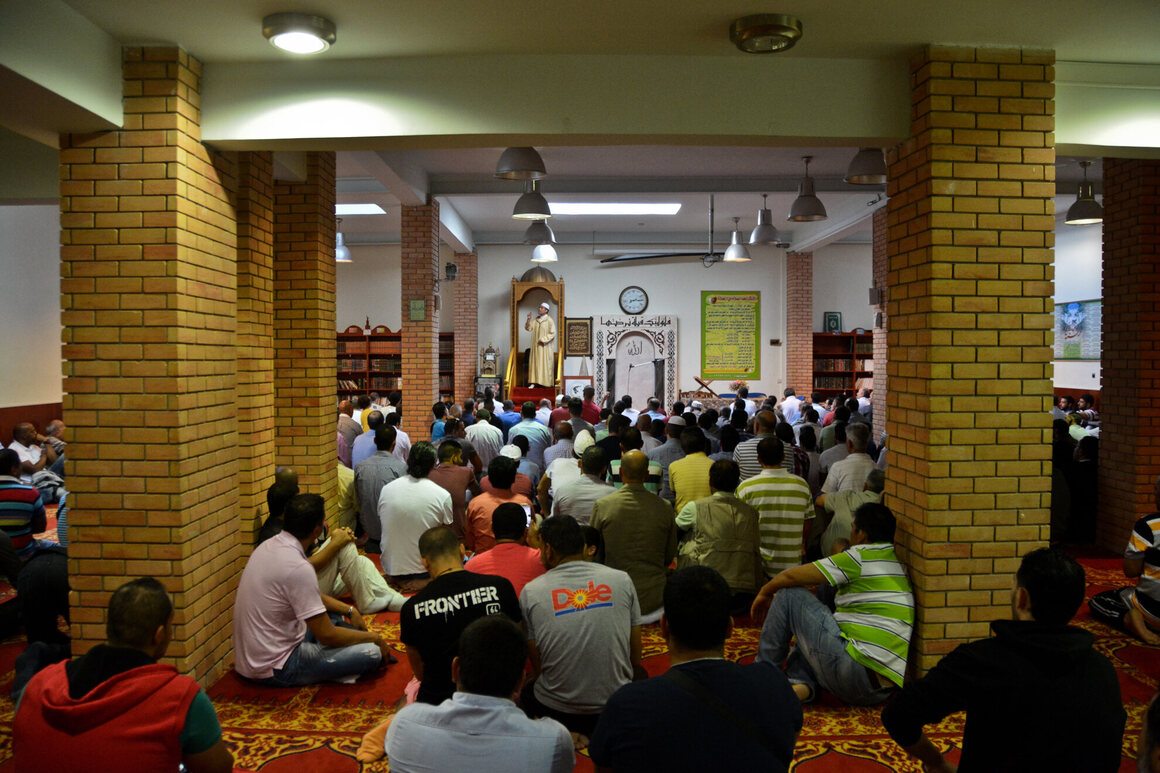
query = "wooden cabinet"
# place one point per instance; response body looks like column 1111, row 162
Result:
column 373, row 362
column 841, row 361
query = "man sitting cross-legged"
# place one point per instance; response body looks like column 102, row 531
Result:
column 857, row 652
column 1038, row 696
column 434, row 617
column 116, row 708
column 706, row 713
column 284, row 629
column 479, row 727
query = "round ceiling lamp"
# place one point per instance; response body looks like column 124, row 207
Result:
column 299, row 33
column 807, row 207
column 867, row 168
column 532, row 205
column 736, row 252
column 765, row 33
column 341, row 251
column 544, row 253
column 539, row 232
column 1086, row 210
column 765, row 233
column 520, row 164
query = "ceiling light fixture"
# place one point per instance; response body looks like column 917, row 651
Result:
column 765, row 33
column 736, row 252
column 807, row 207
column 341, row 251
column 539, row 232
column 764, row 233
column 614, row 208
column 359, row 209
column 544, row 253
column 532, row 205
column 868, row 167
column 520, row 164
column 1086, row 210
column 299, row 33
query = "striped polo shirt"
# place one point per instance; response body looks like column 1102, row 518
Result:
column 20, row 512
column 745, row 454
column 783, row 505
column 1143, row 544
column 875, row 608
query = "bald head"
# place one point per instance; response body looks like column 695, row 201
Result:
column 287, row 476
column 633, row 467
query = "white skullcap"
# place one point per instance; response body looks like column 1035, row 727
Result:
column 583, row 442
column 545, row 305
column 511, row 452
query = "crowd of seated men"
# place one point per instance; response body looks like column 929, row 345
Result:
column 524, row 549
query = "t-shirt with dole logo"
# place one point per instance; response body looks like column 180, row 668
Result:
column 580, row 616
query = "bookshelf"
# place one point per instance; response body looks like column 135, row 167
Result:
column 373, row 362
column 841, row 360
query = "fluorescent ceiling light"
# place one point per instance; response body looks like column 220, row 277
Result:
column 358, row 209
column 612, row 208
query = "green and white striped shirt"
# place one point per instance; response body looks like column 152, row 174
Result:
column 875, row 608
column 783, row 505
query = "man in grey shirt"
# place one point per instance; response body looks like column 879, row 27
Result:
column 370, row 475
column 583, row 626
column 667, row 453
column 577, row 497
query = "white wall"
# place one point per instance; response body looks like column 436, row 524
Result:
column 1078, row 277
column 843, row 274
column 368, row 286
column 30, row 305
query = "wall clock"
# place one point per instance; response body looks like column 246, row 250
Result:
column 633, row 300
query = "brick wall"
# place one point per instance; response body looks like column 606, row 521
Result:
column 466, row 324
column 1131, row 347
column 799, row 321
column 304, row 322
column 149, row 299
column 970, row 221
column 255, row 351
column 420, row 283
column 878, row 397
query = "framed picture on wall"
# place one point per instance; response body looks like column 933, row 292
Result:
column 832, row 322
column 578, row 336
column 574, row 385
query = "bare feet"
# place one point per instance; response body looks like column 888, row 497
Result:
column 579, row 741
column 1135, row 625
column 802, row 691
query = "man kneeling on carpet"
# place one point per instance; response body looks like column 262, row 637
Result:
column 857, row 652
column 287, row 633
column 705, row 713
column 1037, row 695
column 116, row 708
column 480, row 727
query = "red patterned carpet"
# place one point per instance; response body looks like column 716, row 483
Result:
column 317, row 729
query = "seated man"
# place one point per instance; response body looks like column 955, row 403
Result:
column 1038, row 696
column 1142, row 561
column 669, row 722
column 34, row 450
column 433, row 618
column 841, row 505
column 479, row 727
column 782, row 502
column 408, row 507
column 116, row 708
column 284, row 629
column 370, row 476
column 523, row 483
column 577, row 497
column 689, row 475
column 454, row 475
column 583, row 627
column 859, row 651
column 511, row 558
column 21, row 510
column 723, row 533
column 477, row 533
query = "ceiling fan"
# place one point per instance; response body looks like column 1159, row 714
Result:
column 707, row 258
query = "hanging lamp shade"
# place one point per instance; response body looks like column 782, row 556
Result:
column 868, row 167
column 544, row 253
column 764, row 232
column 341, row 251
column 765, row 33
column 736, row 252
column 1086, row 210
column 299, row 33
column 532, row 205
column 539, row 232
column 520, row 164
column 807, row 207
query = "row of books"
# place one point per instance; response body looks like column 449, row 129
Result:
column 864, row 347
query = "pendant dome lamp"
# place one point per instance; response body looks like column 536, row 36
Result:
column 1086, row 210
column 520, row 164
column 736, row 252
column 532, row 205
column 539, row 232
column 764, row 232
column 341, row 251
column 868, row 167
column 807, row 207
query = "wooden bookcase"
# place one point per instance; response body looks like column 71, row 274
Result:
column 841, row 360
column 373, row 362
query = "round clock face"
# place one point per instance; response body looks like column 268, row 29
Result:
column 633, row 300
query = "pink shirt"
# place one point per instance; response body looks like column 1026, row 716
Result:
column 478, row 535
column 518, row 564
column 278, row 592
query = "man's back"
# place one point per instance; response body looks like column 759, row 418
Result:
column 658, row 725
column 539, row 438
column 518, row 564
column 486, row 439
column 407, row 508
column 745, row 454
column 783, row 505
column 689, row 478
column 577, row 498
column 1037, row 697
column 849, row 474
column 640, row 537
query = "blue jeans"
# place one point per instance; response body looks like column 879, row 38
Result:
column 819, row 658
column 311, row 663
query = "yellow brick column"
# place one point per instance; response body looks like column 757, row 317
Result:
column 305, row 372
column 149, row 309
column 420, row 295
column 970, row 222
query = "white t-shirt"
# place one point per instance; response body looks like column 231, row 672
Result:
column 26, row 454
column 562, row 471
column 408, row 507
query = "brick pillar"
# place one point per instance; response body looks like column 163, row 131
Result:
column 149, row 301
column 970, row 217
column 304, row 321
column 799, row 322
column 1130, row 372
column 420, row 288
column 879, row 277
column 466, row 324
column 255, row 353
